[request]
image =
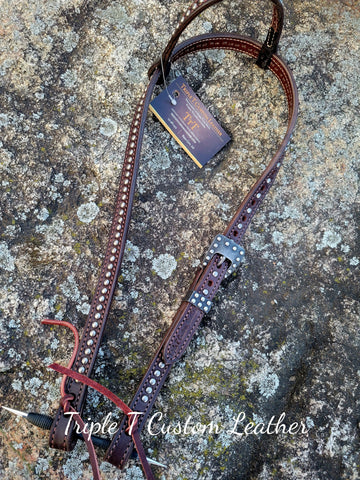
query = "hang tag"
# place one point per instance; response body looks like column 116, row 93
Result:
column 189, row 122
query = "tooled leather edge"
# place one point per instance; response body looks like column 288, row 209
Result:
column 121, row 446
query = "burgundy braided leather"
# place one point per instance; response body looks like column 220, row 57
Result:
column 208, row 278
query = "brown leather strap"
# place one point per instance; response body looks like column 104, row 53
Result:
column 208, row 278
column 264, row 56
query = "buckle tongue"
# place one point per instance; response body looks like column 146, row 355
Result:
column 229, row 249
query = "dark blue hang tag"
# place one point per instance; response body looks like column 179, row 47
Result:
column 189, row 122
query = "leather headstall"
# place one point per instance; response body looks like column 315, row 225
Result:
column 224, row 255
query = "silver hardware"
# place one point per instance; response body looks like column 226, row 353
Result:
column 152, row 381
column 157, row 373
column 228, row 249
column 199, row 302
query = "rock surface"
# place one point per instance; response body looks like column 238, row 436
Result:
column 283, row 336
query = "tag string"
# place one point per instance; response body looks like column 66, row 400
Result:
column 172, row 99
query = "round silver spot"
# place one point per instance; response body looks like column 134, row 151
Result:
column 227, row 244
column 121, row 212
column 145, row 398
column 131, row 152
column 234, row 248
column 108, row 274
column 84, row 361
column 116, row 243
column 206, row 291
column 94, row 324
column 104, row 290
column 208, row 258
column 113, row 250
column 202, row 299
column 125, row 189
column 120, row 220
column 132, row 145
column 90, row 342
column 234, row 265
column 123, row 205
column 118, row 228
column 249, row 210
column 196, row 295
column 81, row 370
column 208, row 302
column 215, row 274
column 218, row 239
column 110, row 266
column 106, row 282
column 149, row 390
column 278, row 165
column 87, row 351
column 241, row 253
column 102, row 298
column 240, row 225
column 229, row 271
column 99, row 307
column 199, row 304
column 118, row 234
column 157, row 373
column 92, row 333
column 112, row 259
column 238, row 259
column 161, row 365
column 258, row 195
column 128, row 167
column 193, row 300
column 268, row 180
column 206, row 309
column 126, row 182
column 216, row 245
column 97, row 316
column 152, row 381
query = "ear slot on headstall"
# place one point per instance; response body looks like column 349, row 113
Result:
column 268, row 49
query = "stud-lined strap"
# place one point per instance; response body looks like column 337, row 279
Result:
column 208, row 278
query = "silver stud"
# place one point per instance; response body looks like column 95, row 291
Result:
column 145, row 398
column 124, row 197
column 126, row 182
column 202, row 299
column 234, row 265
column 193, row 300
column 94, row 324
column 238, row 259
column 205, row 291
column 215, row 274
column 240, row 225
column 234, row 248
column 152, row 381
column 108, row 274
column 161, row 365
column 84, row 361
column 196, row 295
column 119, row 227
column 112, row 259
column 241, row 253
column 206, row 309
column 216, row 245
column 102, row 298
column 113, row 250
column 120, row 220
column 229, row 271
column 211, row 251
column 249, row 210
column 268, row 180
column 87, row 351
column 218, row 239
column 81, row 370
column 110, row 266
column 121, row 212
column 227, row 244
column 149, row 390
column 116, row 243
column 90, row 342
column 123, row 205
column 278, row 165
column 125, row 189
column 104, row 290
column 106, row 282
column 199, row 304
column 99, row 307
column 157, row 373
column 258, row 195
column 208, row 258
column 92, row 333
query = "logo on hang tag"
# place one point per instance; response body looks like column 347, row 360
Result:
column 187, row 119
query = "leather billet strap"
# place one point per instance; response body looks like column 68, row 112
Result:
column 264, row 56
column 207, row 280
column 209, row 277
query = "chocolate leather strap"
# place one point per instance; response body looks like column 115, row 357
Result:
column 264, row 56
column 208, row 278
